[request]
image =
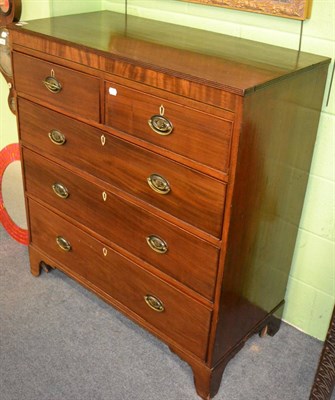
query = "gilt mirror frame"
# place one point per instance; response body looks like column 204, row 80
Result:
column 295, row 9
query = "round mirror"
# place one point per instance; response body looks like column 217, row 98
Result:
column 12, row 209
column 13, row 195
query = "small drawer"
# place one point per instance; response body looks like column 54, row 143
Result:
column 191, row 133
column 155, row 302
column 61, row 87
column 185, row 193
column 183, row 256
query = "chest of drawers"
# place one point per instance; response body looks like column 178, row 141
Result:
column 166, row 175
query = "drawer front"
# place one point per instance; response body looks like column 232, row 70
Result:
column 199, row 136
column 193, row 197
column 183, row 256
column 183, row 320
column 79, row 93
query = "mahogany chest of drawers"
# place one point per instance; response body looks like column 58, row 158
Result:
column 165, row 169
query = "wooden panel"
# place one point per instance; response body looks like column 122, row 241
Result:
column 273, row 170
column 324, row 381
column 129, row 111
column 24, row 42
column 184, row 320
column 127, row 167
column 173, row 84
column 296, row 9
column 188, row 259
column 79, row 93
column 230, row 63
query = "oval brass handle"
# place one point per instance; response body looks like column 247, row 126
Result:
column 154, row 303
column 57, row 137
column 159, row 184
column 60, row 190
column 52, row 84
column 63, row 243
column 160, row 125
column 157, row 244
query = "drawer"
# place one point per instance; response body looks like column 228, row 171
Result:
column 79, row 93
column 199, row 136
column 183, row 256
column 183, row 320
column 193, row 197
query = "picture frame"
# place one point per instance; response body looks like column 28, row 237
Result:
column 294, row 9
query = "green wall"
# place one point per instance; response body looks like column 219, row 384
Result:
column 8, row 130
column 65, row 7
column 311, row 290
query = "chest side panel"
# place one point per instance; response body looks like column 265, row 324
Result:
column 274, row 157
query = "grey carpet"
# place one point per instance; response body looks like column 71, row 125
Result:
column 60, row 342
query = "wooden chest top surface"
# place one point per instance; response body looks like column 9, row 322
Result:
column 233, row 64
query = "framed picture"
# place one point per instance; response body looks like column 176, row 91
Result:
column 295, row 9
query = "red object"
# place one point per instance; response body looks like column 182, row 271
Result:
column 8, row 155
column 4, row 5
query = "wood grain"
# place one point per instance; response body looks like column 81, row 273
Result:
column 245, row 117
column 324, row 381
column 273, row 172
column 196, row 259
column 79, row 92
column 130, row 110
column 184, row 320
column 111, row 163
column 295, row 9
column 233, row 64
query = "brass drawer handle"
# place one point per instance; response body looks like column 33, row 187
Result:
column 159, row 184
column 157, row 244
column 60, row 190
column 160, row 125
column 57, row 137
column 154, row 303
column 52, row 84
column 63, row 243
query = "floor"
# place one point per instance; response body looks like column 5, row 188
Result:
column 60, row 342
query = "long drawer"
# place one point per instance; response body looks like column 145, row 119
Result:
column 183, row 256
column 185, row 193
column 167, row 309
column 194, row 134
column 68, row 89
